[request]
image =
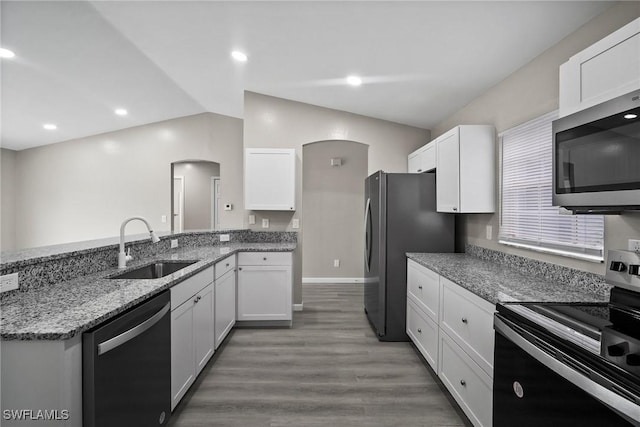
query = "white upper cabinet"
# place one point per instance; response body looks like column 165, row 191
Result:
column 423, row 159
column 269, row 179
column 604, row 70
column 465, row 172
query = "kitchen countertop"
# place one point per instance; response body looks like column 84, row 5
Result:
column 66, row 309
column 496, row 282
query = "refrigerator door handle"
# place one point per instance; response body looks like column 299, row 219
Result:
column 367, row 235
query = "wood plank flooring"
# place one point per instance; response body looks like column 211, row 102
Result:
column 327, row 370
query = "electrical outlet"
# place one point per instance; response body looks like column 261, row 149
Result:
column 174, row 243
column 265, row 222
column 224, row 237
column 489, row 232
column 252, row 219
column 163, row 219
column 295, row 223
column 634, row 245
column 336, row 263
column 8, row 282
column 228, row 207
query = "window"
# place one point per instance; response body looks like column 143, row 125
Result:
column 527, row 218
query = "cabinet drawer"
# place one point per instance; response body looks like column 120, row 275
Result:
column 423, row 332
column 189, row 287
column 468, row 319
column 469, row 385
column 423, row 287
column 225, row 265
column 264, row 258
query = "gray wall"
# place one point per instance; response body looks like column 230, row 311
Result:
column 7, row 198
column 83, row 189
column 280, row 123
column 333, row 199
column 529, row 93
column 197, row 192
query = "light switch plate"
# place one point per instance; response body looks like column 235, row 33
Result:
column 634, row 245
column 9, row 282
column 265, row 222
column 252, row 219
column 224, row 237
column 489, row 232
column 295, row 223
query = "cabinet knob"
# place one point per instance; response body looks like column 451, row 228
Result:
column 464, row 320
column 264, row 259
column 419, row 330
column 455, row 209
column 419, row 170
column 463, row 383
column 198, row 298
column 227, row 265
column 240, row 268
column 419, row 286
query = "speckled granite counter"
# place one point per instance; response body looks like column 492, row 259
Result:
column 63, row 310
column 497, row 282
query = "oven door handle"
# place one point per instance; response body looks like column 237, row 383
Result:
column 623, row 406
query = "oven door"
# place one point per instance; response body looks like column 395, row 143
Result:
column 537, row 384
column 596, row 156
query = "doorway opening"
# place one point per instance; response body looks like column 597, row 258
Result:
column 195, row 190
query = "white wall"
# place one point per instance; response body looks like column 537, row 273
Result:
column 7, row 199
column 280, row 123
column 333, row 200
column 83, row 189
column 529, row 93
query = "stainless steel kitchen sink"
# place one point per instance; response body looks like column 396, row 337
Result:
column 154, row 270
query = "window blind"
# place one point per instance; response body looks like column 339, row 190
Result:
column 527, row 218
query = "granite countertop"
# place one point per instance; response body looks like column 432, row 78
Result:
column 496, row 282
column 64, row 310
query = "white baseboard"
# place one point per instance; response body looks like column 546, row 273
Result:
column 298, row 307
column 332, row 280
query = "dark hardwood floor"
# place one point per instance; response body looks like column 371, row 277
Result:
column 327, row 370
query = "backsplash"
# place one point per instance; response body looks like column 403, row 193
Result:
column 564, row 276
column 39, row 267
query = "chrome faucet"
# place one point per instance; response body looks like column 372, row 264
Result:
column 122, row 257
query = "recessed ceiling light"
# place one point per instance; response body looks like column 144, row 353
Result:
column 6, row 53
column 239, row 56
column 354, row 80
column 49, row 126
column 630, row 116
column 121, row 112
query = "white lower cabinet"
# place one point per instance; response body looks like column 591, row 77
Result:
column 423, row 332
column 192, row 331
column 264, row 286
column 458, row 343
column 470, row 386
column 225, row 311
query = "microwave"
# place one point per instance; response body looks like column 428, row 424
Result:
column 596, row 157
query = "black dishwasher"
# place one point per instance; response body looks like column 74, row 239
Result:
column 126, row 367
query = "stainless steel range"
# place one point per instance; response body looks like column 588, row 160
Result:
column 572, row 364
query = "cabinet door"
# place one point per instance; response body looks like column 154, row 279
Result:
column 428, row 157
column 182, row 351
column 448, row 172
column 264, row 293
column 414, row 163
column 270, row 179
column 225, row 304
column 203, row 329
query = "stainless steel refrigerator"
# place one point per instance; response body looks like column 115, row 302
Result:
column 400, row 217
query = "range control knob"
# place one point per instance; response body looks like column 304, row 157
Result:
column 634, row 269
column 617, row 266
column 633, row 359
column 618, row 350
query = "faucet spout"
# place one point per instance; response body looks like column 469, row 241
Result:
column 122, row 257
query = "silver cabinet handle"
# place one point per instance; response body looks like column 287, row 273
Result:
column 419, row 330
column 118, row 340
column 419, row 286
column 455, row 209
column 463, row 383
column 464, row 320
column 198, row 298
column 419, row 170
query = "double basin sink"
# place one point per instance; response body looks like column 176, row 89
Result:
column 154, row 270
